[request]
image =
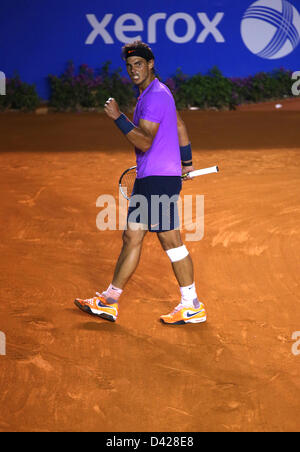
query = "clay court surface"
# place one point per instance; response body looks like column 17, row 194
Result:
column 67, row 371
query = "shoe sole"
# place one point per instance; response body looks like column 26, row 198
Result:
column 88, row 310
column 183, row 322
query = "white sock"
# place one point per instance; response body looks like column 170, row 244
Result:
column 112, row 294
column 188, row 295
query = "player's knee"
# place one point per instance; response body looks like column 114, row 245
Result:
column 177, row 254
column 132, row 238
column 170, row 240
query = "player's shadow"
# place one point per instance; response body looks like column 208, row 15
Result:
column 97, row 326
column 92, row 323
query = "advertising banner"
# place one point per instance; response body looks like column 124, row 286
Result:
column 240, row 37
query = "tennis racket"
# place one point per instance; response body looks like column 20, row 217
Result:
column 127, row 179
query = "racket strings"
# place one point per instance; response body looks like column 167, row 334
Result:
column 127, row 182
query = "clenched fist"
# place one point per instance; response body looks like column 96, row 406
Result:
column 111, row 108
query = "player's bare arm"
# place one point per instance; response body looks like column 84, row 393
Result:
column 142, row 136
column 182, row 131
column 183, row 142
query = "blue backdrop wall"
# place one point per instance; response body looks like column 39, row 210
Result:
column 241, row 37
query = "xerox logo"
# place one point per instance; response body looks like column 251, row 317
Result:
column 198, row 28
column 271, row 28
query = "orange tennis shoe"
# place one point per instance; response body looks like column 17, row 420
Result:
column 99, row 307
column 186, row 314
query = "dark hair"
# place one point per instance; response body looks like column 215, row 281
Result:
column 137, row 48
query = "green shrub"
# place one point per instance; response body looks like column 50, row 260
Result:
column 213, row 90
column 262, row 87
column 204, row 91
column 19, row 96
column 89, row 88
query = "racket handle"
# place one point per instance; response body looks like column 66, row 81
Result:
column 202, row 172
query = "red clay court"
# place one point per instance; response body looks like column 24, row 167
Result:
column 66, row 371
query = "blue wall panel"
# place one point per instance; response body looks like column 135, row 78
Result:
column 241, row 37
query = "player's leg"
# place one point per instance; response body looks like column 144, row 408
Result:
column 129, row 257
column 189, row 310
column 105, row 305
column 133, row 238
column 183, row 268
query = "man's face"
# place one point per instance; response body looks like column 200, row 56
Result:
column 139, row 70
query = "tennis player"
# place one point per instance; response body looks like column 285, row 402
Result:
column 163, row 155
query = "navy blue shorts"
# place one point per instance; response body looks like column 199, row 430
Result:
column 153, row 203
